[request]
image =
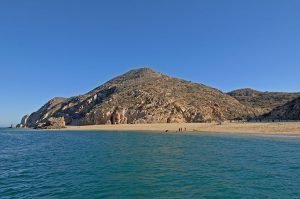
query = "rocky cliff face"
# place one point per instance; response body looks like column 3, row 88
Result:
column 288, row 111
column 143, row 96
column 24, row 122
column 262, row 102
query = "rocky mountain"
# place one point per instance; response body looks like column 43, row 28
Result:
column 288, row 111
column 262, row 102
column 141, row 96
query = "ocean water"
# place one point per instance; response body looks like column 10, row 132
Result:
column 91, row 164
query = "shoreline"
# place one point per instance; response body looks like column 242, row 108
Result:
column 274, row 128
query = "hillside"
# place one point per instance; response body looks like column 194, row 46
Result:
column 141, row 96
column 288, row 111
column 262, row 102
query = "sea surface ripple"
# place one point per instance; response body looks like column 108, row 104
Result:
column 93, row 164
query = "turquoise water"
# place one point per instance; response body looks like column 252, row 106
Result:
column 60, row 164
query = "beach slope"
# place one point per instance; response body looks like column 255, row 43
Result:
column 226, row 127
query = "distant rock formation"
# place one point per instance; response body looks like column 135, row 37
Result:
column 52, row 123
column 23, row 123
column 142, row 96
column 145, row 96
column 262, row 102
column 24, row 120
column 288, row 111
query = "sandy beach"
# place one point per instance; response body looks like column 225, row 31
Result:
column 264, row 128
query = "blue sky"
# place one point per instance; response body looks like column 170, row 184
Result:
column 67, row 47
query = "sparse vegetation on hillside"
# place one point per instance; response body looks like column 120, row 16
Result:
column 144, row 96
column 263, row 102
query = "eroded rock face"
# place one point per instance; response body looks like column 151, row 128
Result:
column 52, row 123
column 118, row 117
column 47, row 111
column 143, row 96
column 24, row 120
column 288, row 111
column 263, row 102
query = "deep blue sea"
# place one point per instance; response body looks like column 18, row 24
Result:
column 94, row 164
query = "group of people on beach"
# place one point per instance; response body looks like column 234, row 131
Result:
column 181, row 129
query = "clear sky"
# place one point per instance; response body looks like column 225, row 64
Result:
column 64, row 48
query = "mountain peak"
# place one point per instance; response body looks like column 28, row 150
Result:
column 144, row 73
column 143, row 95
column 245, row 91
column 143, row 70
column 140, row 72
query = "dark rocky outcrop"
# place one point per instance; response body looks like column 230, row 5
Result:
column 262, row 102
column 24, row 121
column 288, row 111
